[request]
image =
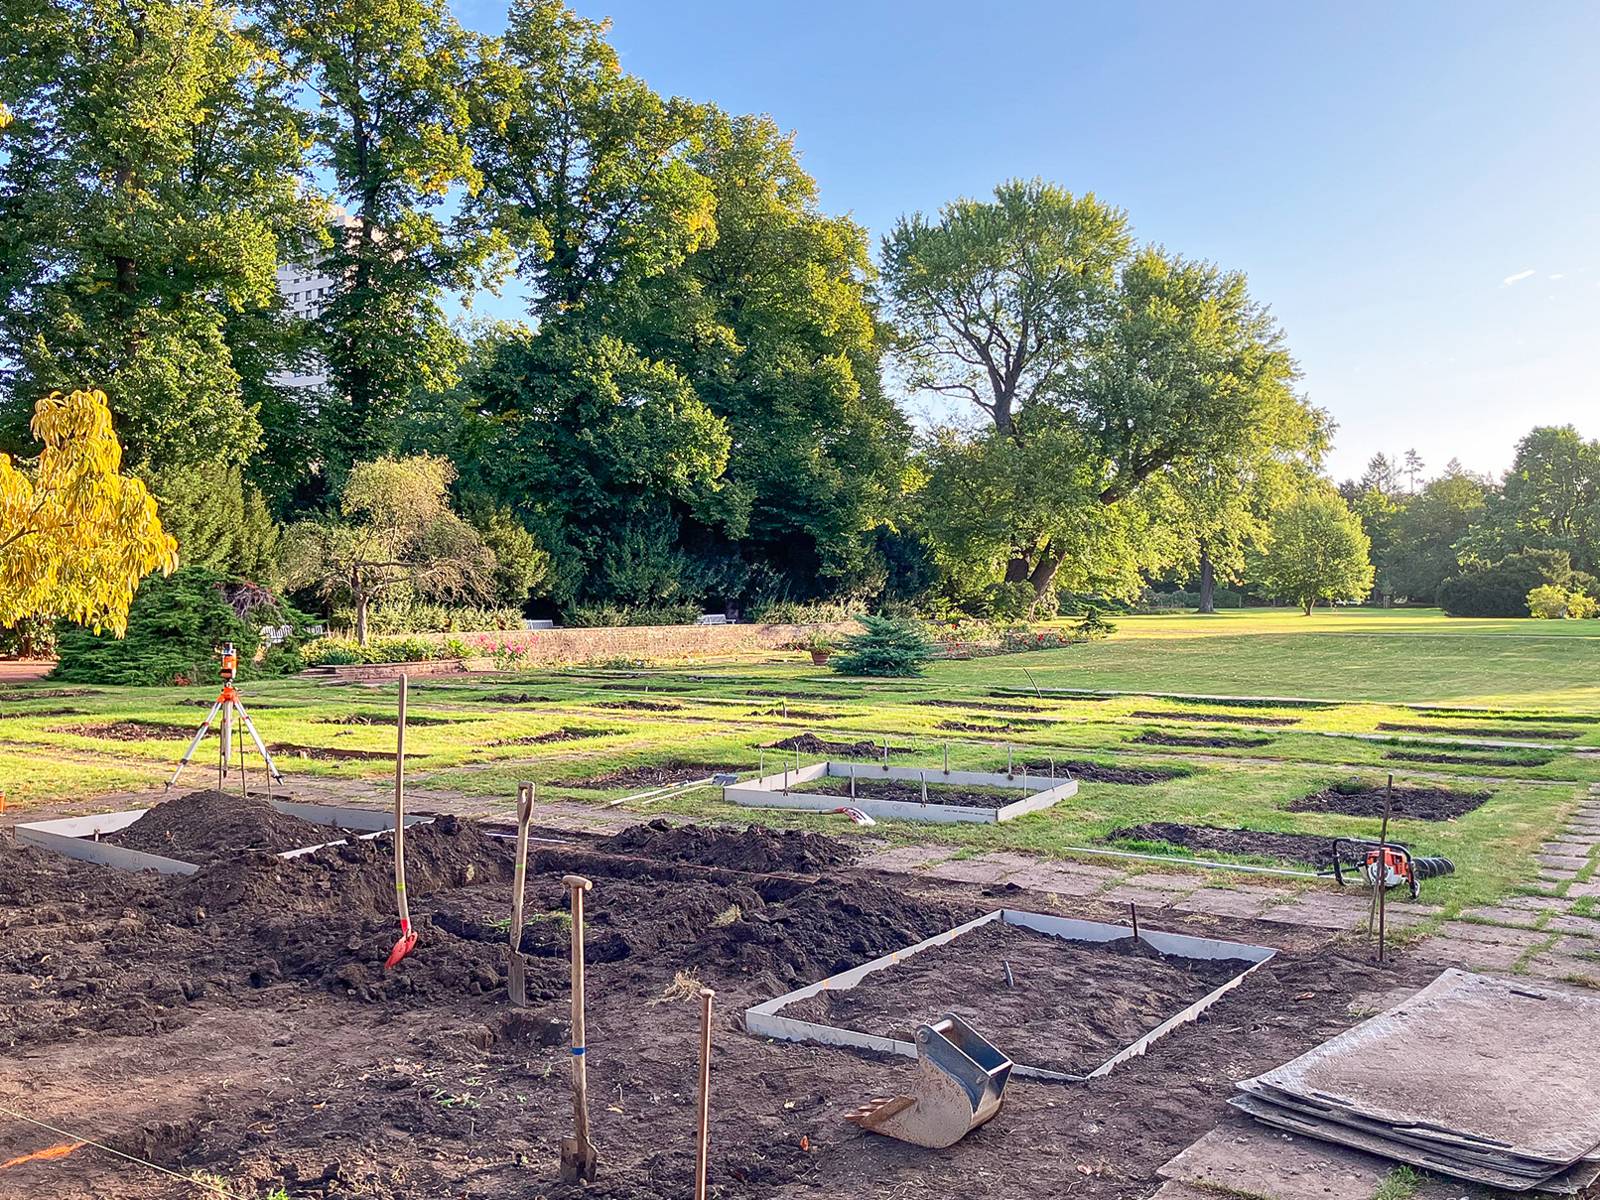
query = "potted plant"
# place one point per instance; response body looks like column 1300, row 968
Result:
column 820, row 647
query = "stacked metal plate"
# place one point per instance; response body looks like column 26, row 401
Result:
column 1480, row 1078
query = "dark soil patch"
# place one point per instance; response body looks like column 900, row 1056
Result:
column 513, row 698
column 1361, row 799
column 1075, row 1004
column 999, row 726
column 564, row 734
column 391, row 718
column 810, row 743
column 1085, row 771
column 1471, row 760
column 773, row 692
column 1480, row 731
column 1255, row 702
column 641, row 705
column 1208, row 839
column 1056, row 697
column 911, row 793
column 50, row 712
column 794, row 714
column 657, row 775
column 202, row 825
column 130, row 731
column 331, row 753
column 1489, row 714
column 1154, row 737
column 755, row 848
column 1218, row 718
column 45, row 694
column 983, row 706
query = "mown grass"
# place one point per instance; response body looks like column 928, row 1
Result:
column 481, row 735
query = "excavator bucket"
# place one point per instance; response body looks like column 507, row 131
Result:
column 961, row 1080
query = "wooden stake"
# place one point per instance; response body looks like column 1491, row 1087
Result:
column 408, row 936
column 1133, row 911
column 577, row 1152
column 516, row 965
column 703, row 1145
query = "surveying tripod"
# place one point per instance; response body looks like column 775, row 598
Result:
column 228, row 705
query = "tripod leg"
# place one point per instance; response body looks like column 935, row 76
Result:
column 227, row 738
column 272, row 767
column 205, row 727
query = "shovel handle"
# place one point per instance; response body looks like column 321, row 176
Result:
column 578, row 885
column 400, row 810
column 520, row 878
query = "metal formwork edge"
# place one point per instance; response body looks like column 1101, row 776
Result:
column 772, row 791
column 764, row 1020
column 76, row 837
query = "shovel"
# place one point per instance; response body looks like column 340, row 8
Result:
column 578, row 1156
column 408, row 936
column 516, row 962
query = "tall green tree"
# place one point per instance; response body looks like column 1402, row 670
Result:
column 148, row 188
column 1318, row 551
column 1428, row 528
column 1548, row 500
column 771, row 324
column 390, row 85
column 582, row 164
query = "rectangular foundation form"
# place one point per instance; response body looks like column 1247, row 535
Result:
column 773, row 791
column 766, row 1019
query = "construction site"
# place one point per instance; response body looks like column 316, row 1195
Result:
column 772, row 980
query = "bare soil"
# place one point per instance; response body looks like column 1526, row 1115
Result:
column 239, row 1022
column 1208, row 839
column 564, row 734
column 810, row 743
column 1073, row 1006
column 641, row 705
column 331, row 753
column 513, row 698
column 982, row 706
column 1154, row 737
column 1497, row 715
column 391, row 718
column 130, row 731
column 755, row 848
column 1000, row 726
column 1413, row 803
column 650, row 775
column 1085, row 771
column 1218, row 718
column 205, row 824
column 911, row 793
column 45, row 694
column 1491, row 731
column 794, row 714
column 1522, row 759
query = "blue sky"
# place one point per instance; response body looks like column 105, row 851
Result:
column 1413, row 188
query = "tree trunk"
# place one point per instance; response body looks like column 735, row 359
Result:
column 1208, row 583
column 1017, row 569
column 361, row 619
column 1310, row 602
column 1044, row 576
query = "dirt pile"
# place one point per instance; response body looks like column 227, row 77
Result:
column 648, row 776
column 1518, row 758
column 129, row 731
column 202, row 825
column 1362, row 799
column 755, row 848
column 810, row 743
column 827, row 928
column 1289, row 847
column 1071, row 1006
column 1085, row 771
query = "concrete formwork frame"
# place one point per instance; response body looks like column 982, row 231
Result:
column 774, row 791
column 79, row 837
column 766, row 1020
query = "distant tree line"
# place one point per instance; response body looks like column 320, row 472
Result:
column 704, row 403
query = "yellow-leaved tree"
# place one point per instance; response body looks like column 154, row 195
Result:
column 76, row 535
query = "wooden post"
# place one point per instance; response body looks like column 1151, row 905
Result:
column 578, row 1157
column 703, row 1144
column 516, row 965
column 408, row 937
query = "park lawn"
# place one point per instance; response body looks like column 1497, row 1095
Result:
column 1405, row 655
column 480, row 735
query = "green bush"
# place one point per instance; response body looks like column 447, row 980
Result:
column 606, row 616
column 795, row 612
column 887, row 647
column 1582, row 607
column 1501, row 590
column 1548, row 602
column 1094, row 626
column 340, row 652
column 423, row 616
column 177, row 625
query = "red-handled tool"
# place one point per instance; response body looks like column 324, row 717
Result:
column 408, row 935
